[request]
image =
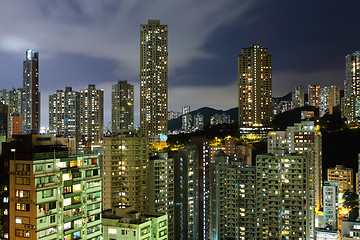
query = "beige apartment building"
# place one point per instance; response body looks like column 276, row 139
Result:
column 343, row 176
column 125, row 164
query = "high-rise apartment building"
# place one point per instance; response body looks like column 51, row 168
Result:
column 298, row 97
column 125, row 164
column 122, row 106
column 12, row 98
column 186, row 193
column 302, row 138
column 153, row 80
column 324, row 102
column 314, row 92
column 92, row 114
column 331, row 209
column 14, row 124
column 232, row 196
column 160, row 185
column 284, row 197
column 173, row 115
column 335, row 95
column 220, row 119
column 202, row 145
column 187, row 119
column 329, row 98
column 4, row 123
column 352, row 74
column 31, row 95
column 198, row 121
column 48, row 188
column 4, row 118
column 64, row 113
column 350, row 103
column 255, row 87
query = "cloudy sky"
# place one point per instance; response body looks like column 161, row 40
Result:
column 83, row 42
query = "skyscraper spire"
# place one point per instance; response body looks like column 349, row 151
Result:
column 31, row 94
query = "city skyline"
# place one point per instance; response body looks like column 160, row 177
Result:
column 79, row 36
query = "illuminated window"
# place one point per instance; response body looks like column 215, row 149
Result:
column 112, row 231
column 61, row 164
column 67, row 225
column 67, row 201
column 77, row 188
column 67, row 176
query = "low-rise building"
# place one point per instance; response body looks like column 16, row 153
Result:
column 130, row 224
column 343, row 176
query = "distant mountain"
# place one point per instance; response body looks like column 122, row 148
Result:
column 287, row 97
column 207, row 112
column 281, row 121
column 288, row 118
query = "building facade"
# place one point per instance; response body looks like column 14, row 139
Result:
column 324, row 102
column 130, row 224
column 285, row 204
column 314, row 92
column 350, row 104
column 335, row 96
column 302, row 138
column 122, row 106
column 31, row 95
column 64, row 113
column 352, row 74
column 255, row 86
column 220, row 119
column 187, row 120
column 186, row 193
column 92, row 114
column 298, row 97
column 160, row 179
column 202, row 145
column 233, row 202
column 198, row 121
column 153, row 80
column 12, row 98
column 331, row 209
column 125, row 163
column 329, row 98
column 344, row 177
column 48, row 188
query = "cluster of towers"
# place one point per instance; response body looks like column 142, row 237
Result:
column 198, row 191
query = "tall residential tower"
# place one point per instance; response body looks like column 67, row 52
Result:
column 350, row 104
column 92, row 114
column 64, row 108
column 352, row 74
column 255, row 87
column 122, row 106
column 31, row 95
column 153, row 80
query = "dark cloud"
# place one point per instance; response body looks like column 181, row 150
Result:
column 83, row 42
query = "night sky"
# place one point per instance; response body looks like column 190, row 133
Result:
column 97, row 42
